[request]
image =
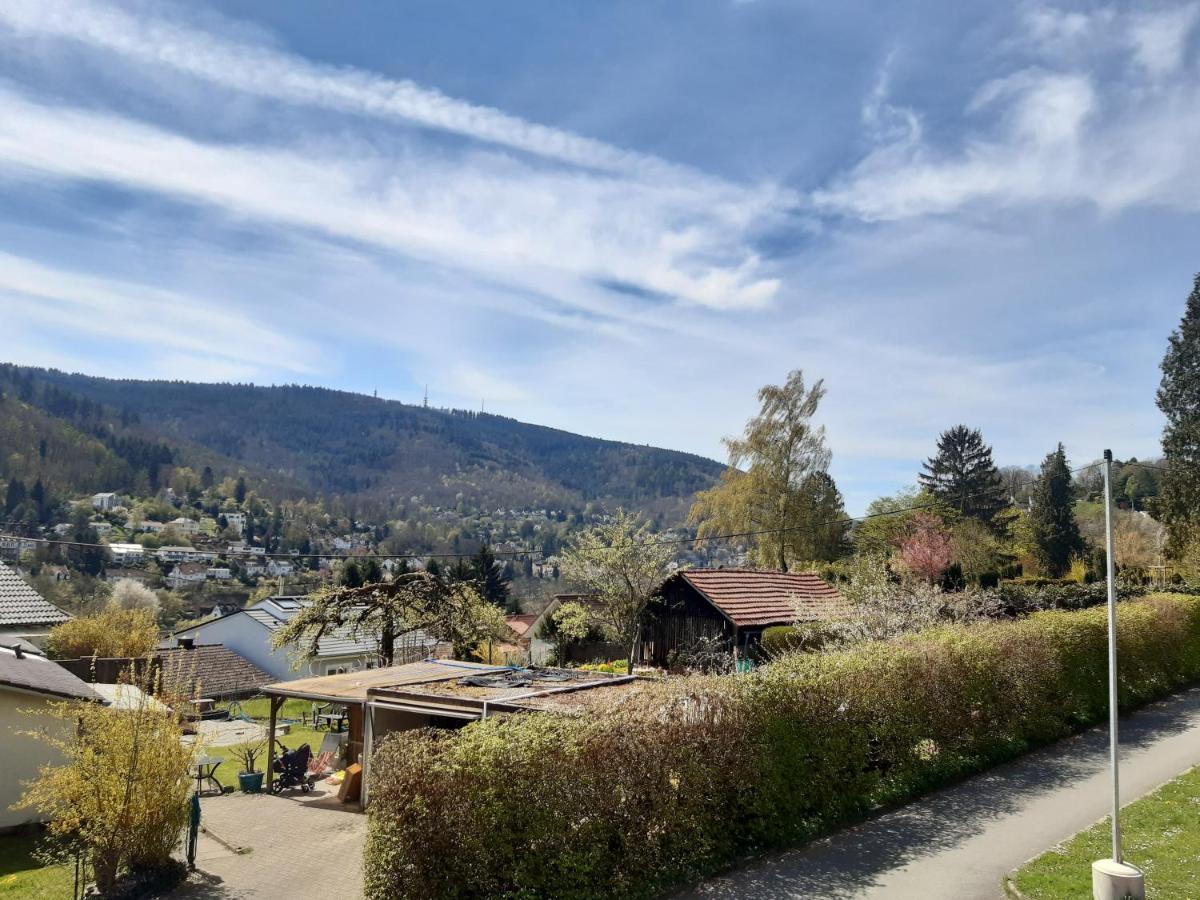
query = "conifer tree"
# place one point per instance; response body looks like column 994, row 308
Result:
column 490, row 577
column 1052, row 522
column 964, row 476
column 1179, row 400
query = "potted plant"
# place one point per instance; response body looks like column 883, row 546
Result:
column 250, row 779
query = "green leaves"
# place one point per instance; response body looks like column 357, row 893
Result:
column 673, row 779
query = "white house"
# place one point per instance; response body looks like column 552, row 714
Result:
column 185, row 526
column 219, row 573
column 277, row 568
column 12, row 548
column 154, row 527
column 105, row 502
column 236, row 520
column 186, row 574
column 184, row 554
column 29, row 683
column 248, row 632
column 127, row 554
column 24, row 613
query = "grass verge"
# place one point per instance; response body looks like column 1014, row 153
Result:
column 25, row 877
column 1161, row 837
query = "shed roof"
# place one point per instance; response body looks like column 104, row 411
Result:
column 41, row 676
column 21, row 605
column 753, row 598
column 352, row 687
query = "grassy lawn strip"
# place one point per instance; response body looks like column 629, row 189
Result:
column 23, row 877
column 1161, row 837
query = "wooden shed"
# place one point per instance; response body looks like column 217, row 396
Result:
column 734, row 606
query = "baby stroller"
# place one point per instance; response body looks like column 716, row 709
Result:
column 291, row 769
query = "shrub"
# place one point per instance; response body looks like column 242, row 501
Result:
column 115, row 632
column 121, row 792
column 802, row 637
column 670, row 780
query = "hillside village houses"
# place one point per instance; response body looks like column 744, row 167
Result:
column 106, row 501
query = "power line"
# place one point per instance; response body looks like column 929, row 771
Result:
column 520, row 554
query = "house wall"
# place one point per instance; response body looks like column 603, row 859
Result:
column 22, row 755
column 252, row 640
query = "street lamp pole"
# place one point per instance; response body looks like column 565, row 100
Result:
column 1114, row 879
column 1110, row 567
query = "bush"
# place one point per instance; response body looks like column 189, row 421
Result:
column 675, row 779
column 121, row 791
column 803, row 637
column 115, row 632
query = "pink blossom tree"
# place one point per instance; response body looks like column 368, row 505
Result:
column 926, row 550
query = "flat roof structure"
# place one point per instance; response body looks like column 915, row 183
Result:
column 441, row 693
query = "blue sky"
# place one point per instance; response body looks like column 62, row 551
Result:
column 618, row 218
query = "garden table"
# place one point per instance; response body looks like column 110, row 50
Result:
column 204, row 768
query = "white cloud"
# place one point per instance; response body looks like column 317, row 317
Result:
column 546, row 230
column 268, row 73
column 1160, row 38
column 1053, row 132
column 162, row 323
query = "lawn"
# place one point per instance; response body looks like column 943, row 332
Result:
column 24, row 877
column 1161, row 837
column 259, row 710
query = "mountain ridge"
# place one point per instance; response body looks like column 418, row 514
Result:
column 300, row 439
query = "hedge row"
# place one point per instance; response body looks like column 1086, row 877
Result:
column 679, row 778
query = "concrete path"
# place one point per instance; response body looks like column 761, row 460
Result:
column 260, row 847
column 960, row 842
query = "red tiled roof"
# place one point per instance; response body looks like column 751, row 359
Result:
column 519, row 625
column 752, row 598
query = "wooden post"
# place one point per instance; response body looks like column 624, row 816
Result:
column 276, row 703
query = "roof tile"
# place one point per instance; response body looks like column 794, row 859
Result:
column 751, row 598
column 21, row 605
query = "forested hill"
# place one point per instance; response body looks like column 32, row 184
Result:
column 307, row 439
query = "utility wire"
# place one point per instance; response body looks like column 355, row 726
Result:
column 846, row 520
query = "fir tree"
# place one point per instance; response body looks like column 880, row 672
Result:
column 15, row 495
column 1052, row 522
column 490, row 577
column 964, row 476
column 1179, row 400
column 351, row 577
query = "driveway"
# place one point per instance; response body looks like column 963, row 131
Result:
column 260, row 846
column 961, row 841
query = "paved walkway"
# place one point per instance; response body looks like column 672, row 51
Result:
column 960, row 842
column 299, row 846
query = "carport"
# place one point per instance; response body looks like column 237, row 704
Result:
column 437, row 693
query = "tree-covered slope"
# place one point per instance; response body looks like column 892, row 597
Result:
column 340, row 443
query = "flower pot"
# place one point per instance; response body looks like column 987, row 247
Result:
column 250, row 782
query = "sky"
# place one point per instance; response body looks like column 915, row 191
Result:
column 618, row 218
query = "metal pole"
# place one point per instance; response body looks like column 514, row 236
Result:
column 1112, row 658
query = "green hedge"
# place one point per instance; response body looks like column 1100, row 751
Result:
column 681, row 777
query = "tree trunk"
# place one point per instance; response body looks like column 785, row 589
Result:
column 387, row 643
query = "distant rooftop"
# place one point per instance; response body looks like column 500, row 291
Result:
column 21, row 605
